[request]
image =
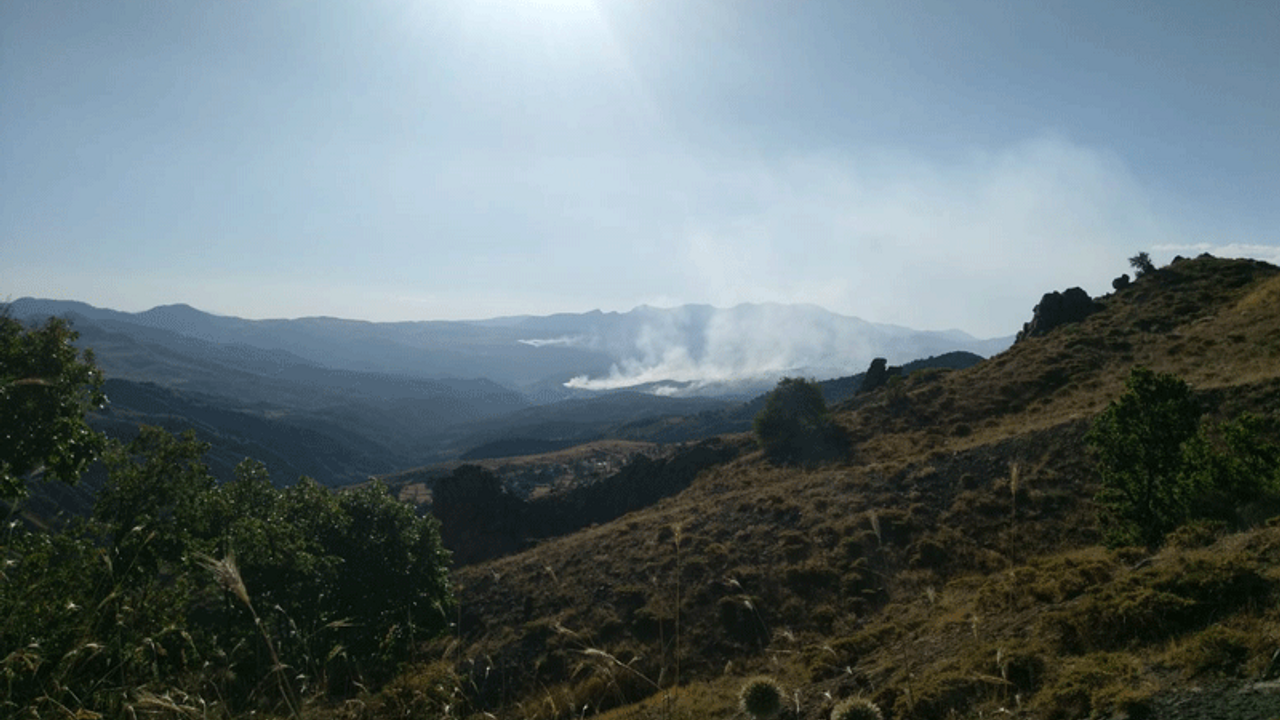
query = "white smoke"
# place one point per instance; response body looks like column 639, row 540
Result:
column 573, row 341
column 751, row 343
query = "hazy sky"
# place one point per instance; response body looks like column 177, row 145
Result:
column 932, row 164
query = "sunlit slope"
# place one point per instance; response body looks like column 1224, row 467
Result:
column 954, row 474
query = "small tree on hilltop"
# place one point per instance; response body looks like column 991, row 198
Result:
column 795, row 427
column 1141, row 263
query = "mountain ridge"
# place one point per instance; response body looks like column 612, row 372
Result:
column 697, row 342
column 949, row 567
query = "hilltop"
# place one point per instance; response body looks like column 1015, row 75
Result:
column 951, row 564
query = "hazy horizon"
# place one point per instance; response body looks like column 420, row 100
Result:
column 537, row 342
column 933, row 165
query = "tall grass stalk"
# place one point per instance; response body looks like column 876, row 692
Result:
column 227, row 574
column 678, row 538
column 1015, row 472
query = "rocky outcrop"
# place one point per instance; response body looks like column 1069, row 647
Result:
column 878, row 374
column 1057, row 309
column 1121, row 282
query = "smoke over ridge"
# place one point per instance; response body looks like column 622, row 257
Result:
column 695, row 346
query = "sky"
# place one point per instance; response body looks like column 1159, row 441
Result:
column 933, row 164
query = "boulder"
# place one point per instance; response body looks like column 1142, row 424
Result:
column 1121, row 282
column 878, row 374
column 1057, row 309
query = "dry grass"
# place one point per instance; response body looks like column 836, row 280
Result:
column 948, row 566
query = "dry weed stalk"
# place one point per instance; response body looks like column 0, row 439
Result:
column 227, row 574
column 1015, row 473
column 678, row 538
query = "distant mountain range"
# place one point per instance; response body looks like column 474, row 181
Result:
column 686, row 350
column 342, row 399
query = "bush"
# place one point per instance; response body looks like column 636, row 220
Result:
column 206, row 588
column 1160, row 468
column 1137, row 442
column 795, row 428
column 1230, row 465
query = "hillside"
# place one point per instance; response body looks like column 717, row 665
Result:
column 379, row 396
column 949, row 567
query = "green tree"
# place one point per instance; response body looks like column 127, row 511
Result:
column 394, row 575
column 795, row 427
column 154, row 497
column 1233, row 469
column 1141, row 264
column 46, row 387
column 1138, row 445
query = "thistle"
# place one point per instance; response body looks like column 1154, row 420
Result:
column 761, row 697
column 856, row 709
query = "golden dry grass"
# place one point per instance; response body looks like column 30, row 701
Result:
column 924, row 571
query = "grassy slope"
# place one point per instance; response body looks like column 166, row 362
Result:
column 950, row 564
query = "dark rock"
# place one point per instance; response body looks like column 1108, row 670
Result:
column 878, row 374
column 1057, row 309
column 1121, row 282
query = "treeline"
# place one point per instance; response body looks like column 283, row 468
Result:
column 480, row 520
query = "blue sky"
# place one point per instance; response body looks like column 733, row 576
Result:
column 932, row 164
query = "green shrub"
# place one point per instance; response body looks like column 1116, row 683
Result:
column 1160, row 468
column 242, row 592
column 1137, row 442
column 794, row 428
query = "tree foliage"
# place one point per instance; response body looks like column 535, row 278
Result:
column 311, row 588
column 154, row 496
column 1137, row 442
column 341, row 585
column 1141, row 263
column 1160, row 467
column 1233, row 470
column 46, row 387
column 795, row 427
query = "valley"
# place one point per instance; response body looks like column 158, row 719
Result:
column 636, row 555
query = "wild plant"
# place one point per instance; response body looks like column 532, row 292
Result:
column 678, row 538
column 227, row 575
column 857, row 709
column 1014, row 477
column 761, row 697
